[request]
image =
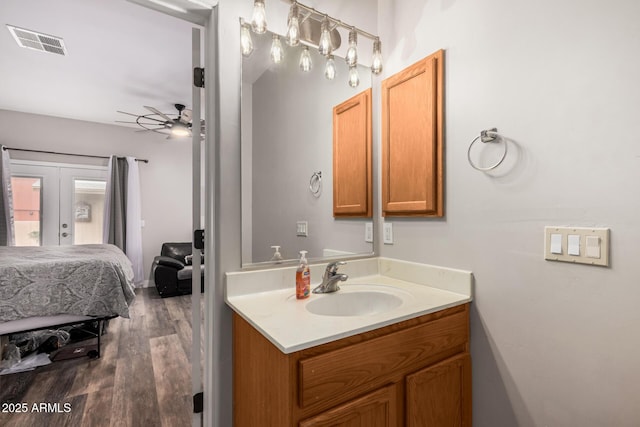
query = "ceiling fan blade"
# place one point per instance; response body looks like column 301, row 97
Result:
column 124, row 112
column 186, row 116
column 156, row 111
column 151, row 118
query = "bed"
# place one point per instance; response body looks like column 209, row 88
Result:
column 56, row 285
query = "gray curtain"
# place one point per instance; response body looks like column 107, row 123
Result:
column 7, row 236
column 115, row 215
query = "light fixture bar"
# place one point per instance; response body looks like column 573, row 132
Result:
column 336, row 22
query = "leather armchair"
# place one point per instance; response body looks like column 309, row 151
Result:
column 172, row 270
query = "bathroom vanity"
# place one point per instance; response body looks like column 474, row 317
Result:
column 321, row 362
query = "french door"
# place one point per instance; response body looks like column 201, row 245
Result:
column 57, row 204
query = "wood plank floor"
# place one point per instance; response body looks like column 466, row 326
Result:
column 142, row 379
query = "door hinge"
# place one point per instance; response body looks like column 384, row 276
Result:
column 198, row 77
column 198, row 239
column 198, row 403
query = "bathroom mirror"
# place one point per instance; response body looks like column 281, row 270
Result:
column 287, row 139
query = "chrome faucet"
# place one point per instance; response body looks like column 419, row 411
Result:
column 330, row 279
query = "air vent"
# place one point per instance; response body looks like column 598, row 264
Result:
column 37, row 41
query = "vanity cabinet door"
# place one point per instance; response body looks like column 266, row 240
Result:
column 440, row 395
column 352, row 179
column 412, row 168
column 378, row 409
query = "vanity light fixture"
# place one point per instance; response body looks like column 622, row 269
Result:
column 305, row 60
column 354, row 77
column 324, row 46
column 293, row 26
column 302, row 26
column 259, row 17
column 376, row 59
column 246, row 43
column 330, row 68
column 352, row 52
column 277, row 53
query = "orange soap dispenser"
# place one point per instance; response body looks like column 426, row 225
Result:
column 303, row 277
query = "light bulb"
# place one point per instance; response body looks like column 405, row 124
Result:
column 305, row 60
column 330, row 68
column 376, row 60
column 277, row 53
column 352, row 53
column 354, row 78
column 179, row 129
column 259, row 17
column 324, row 46
column 246, row 44
column 293, row 30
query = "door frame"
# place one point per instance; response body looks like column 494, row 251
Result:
column 216, row 378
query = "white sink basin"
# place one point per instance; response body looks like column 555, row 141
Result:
column 364, row 302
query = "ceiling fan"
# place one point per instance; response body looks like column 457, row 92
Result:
column 157, row 121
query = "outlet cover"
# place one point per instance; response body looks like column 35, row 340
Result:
column 368, row 232
column 387, row 232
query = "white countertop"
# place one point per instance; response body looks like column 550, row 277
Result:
column 274, row 311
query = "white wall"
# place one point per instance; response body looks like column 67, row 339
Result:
column 165, row 181
column 553, row 344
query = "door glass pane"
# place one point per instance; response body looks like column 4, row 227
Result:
column 27, row 205
column 88, row 210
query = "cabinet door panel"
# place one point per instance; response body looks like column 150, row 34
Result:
column 377, row 409
column 412, row 141
column 440, row 396
column 352, row 194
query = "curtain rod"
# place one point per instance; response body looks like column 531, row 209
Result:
column 66, row 154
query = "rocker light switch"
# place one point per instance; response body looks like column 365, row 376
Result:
column 593, row 246
column 573, row 244
column 556, row 244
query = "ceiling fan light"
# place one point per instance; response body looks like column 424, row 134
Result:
column 178, row 129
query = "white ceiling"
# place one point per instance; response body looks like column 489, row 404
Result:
column 121, row 56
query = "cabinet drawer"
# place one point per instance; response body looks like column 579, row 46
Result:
column 368, row 365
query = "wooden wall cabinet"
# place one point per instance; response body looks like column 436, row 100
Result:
column 412, row 140
column 413, row 373
column 352, row 176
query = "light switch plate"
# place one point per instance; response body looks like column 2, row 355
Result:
column 578, row 245
column 302, row 228
column 368, row 232
column 387, row 231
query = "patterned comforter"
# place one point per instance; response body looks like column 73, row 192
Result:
column 88, row 280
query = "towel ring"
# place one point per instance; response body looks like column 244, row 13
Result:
column 315, row 183
column 489, row 135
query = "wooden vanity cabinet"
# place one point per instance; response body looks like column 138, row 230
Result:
column 412, row 140
column 414, row 373
column 352, row 174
